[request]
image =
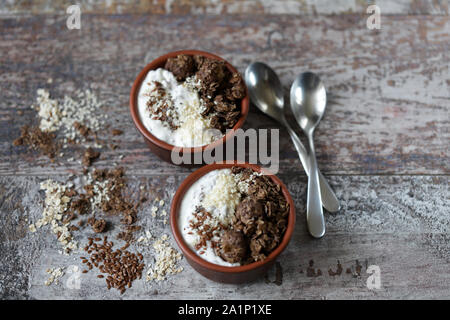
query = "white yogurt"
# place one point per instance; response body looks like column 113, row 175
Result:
column 194, row 129
column 216, row 182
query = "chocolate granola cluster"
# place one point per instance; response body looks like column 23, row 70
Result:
column 221, row 89
column 260, row 221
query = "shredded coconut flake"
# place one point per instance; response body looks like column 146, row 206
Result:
column 226, row 193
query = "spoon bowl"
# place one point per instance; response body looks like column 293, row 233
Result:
column 265, row 90
column 308, row 100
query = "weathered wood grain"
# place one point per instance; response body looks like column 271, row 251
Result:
column 403, row 230
column 388, row 90
column 304, row 7
column 383, row 142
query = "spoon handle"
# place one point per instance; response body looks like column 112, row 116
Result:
column 329, row 199
column 314, row 213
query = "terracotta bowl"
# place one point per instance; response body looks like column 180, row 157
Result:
column 163, row 149
column 216, row 272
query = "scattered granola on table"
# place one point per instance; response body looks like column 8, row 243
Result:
column 103, row 193
column 38, row 140
column 64, row 122
column 90, row 155
column 96, row 196
column 98, row 225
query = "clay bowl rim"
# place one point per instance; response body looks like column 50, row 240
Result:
column 187, row 183
column 158, row 63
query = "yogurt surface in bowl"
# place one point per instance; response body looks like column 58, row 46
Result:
column 172, row 110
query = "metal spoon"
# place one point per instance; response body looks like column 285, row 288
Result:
column 308, row 102
column 267, row 94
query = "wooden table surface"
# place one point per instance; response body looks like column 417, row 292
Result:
column 383, row 143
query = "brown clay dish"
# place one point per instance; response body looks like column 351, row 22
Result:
column 216, row 272
column 161, row 148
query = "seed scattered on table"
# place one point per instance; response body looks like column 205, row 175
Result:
column 121, row 266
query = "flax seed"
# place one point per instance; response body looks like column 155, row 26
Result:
column 121, row 266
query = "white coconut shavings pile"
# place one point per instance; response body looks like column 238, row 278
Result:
column 226, row 193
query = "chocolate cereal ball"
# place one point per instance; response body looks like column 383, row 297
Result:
column 233, row 246
column 249, row 210
column 182, row 66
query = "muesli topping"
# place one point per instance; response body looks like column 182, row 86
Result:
column 189, row 96
column 242, row 223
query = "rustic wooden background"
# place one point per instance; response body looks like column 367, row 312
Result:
column 383, row 143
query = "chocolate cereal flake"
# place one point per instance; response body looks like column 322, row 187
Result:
column 261, row 215
column 220, row 89
column 259, row 223
column 99, row 225
column 233, row 246
column 38, row 140
column 90, row 155
column 182, row 66
column 211, row 74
